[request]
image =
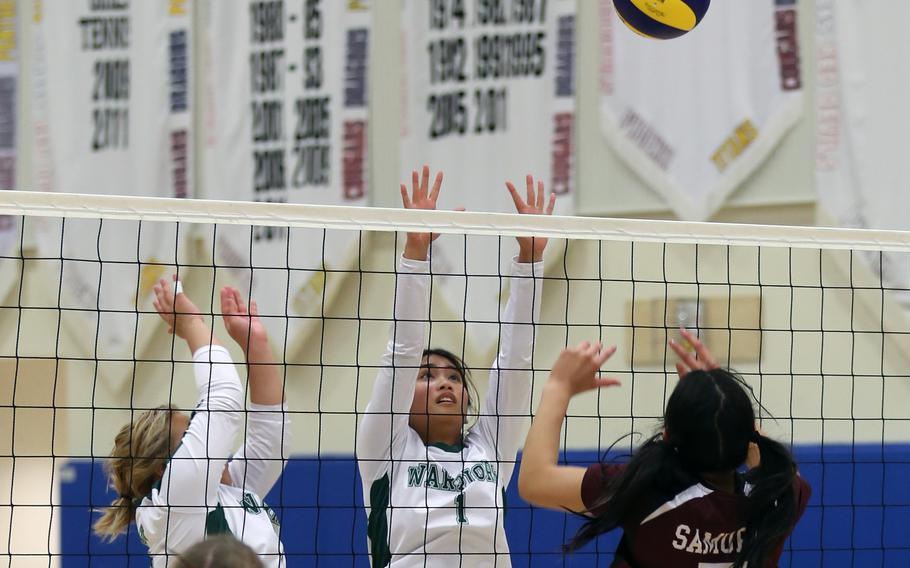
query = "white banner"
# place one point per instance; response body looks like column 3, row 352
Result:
column 112, row 115
column 9, row 82
column 695, row 116
column 286, row 122
column 488, row 95
column 862, row 86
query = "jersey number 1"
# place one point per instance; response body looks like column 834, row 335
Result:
column 459, row 510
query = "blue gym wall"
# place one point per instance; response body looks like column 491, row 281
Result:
column 859, row 515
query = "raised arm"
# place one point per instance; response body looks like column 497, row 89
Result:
column 384, row 428
column 541, row 480
column 194, row 471
column 261, row 459
column 508, row 401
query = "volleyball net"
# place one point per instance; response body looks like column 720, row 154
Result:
column 814, row 319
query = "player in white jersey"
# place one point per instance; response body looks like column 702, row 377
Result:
column 434, row 492
column 174, row 474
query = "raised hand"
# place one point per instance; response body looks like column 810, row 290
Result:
column 181, row 315
column 702, row 360
column 531, row 248
column 247, row 330
column 421, row 197
column 576, row 368
column 244, row 326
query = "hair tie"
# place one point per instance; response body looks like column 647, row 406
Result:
column 754, row 436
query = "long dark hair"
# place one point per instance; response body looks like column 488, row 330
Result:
column 709, row 421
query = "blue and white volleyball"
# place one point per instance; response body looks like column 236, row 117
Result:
column 661, row 19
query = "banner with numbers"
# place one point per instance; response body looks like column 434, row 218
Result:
column 695, row 116
column 286, row 123
column 9, row 82
column 112, row 115
column 488, row 95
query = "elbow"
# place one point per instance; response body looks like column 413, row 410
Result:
column 527, row 485
column 228, row 399
column 361, row 445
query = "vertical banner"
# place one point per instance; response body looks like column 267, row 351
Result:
column 862, row 174
column 286, row 122
column 696, row 115
column 112, row 115
column 9, row 84
column 488, row 95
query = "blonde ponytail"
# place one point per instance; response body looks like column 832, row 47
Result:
column 141, row 450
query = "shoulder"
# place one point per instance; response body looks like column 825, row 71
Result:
column 594, row 485
column 802, row 492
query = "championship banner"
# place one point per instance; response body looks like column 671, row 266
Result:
column 9, row 82
column 862, row 174
column 286, row 120
column 696, row 115
column 488, row 95
column 112, row 115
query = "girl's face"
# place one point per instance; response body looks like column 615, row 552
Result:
column 440, row 400
column 179, row 423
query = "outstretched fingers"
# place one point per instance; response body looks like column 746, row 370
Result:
column 405, row 198
column 232, row 302
column 682, row 370
column 704, row 355
column 605, row 382
column 239, row 302
column 601, row 355
column 529, row 184
column 516, row 199
column 687, row 361
column 421, row 195
column 228, row 303
column 415, row 185
column 437, row 184
column 535, row 200
column 164, row 302
column 424, row 181
column 164, row 297
column 699, row 358
column 604, row 354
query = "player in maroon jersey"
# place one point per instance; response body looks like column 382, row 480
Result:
column 680, row 500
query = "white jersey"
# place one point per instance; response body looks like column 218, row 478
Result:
column 436, row 505
column 190, row 502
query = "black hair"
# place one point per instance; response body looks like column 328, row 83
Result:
column 709, row 422
column 460, row 367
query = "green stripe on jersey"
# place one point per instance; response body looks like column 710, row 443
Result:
column 378, row 523
column 450, row 448
column 504, row 506
column 216, row 522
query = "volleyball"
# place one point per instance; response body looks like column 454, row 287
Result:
column 661, row 19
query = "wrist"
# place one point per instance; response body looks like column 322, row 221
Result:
column 258, row 351
column 528, row 255
column 557, row 390
column 197, row 336
column 416, row 251
column 191, row 326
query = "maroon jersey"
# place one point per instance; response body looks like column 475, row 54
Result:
column 697, row 527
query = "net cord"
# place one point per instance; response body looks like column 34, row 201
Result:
column 42, row 204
